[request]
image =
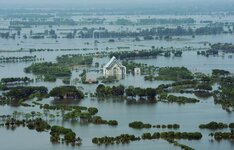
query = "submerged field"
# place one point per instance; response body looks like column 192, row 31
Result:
column 190, row 89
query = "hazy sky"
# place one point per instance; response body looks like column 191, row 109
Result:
column 104, row 3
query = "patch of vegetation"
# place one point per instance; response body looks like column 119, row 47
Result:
column 49, row 70
column 141, row 125
column 213, row 125
column 24, row 93
column 223, row 135
column 69, row 135
column 74, row 59
column 123, row 138
column 174, row 73
column 66, row 92
column 180, row 99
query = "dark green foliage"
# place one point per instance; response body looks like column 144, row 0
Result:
column 99, row 120
column 105, row 91
column 181, row 99
column 218, row 72
column 136, row 54
column 225, row 94
column 123, row 138
column 18, row 93
column 130, row 91
column 231, row 125
column 209, row 30
column 226, row 47
column 68, row 92
column 38, row 124
column 10, row 80
column 174, row 73
column 69, row 135
column 50, row 69
column 92, row 110
column 49, row 78
column 74, row 59
column 213, row 125
column 204, row 86
column 166, row 21
column 139, row 125
column 224, row 135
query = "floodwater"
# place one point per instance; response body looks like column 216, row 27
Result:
column 189, row 116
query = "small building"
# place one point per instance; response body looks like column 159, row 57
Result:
column 137, row 71
column 114, row 68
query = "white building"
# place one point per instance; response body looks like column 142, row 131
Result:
column 137, row 71
column 114, row 68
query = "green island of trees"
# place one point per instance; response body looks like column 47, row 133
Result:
column 7, row 83
column 141, row 125
column 33, row 124
column 174, row 73
column 123, row 138
column 223, row 135
column 136, row 54
column 69, row 135
column 66, row 92
column 126, row 138
column 75, row 113
column 120, row 91
column 225, row 94
column 74, row 59
column 216, row 125
column 49, row 70
column 180, row 99
column 173, row 135
column 24, row 93
column 225, row 47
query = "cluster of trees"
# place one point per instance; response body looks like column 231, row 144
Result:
column 105, row 91
column 209, row 30
column 74, row 59
column 226, row 47
column 99, row 120
column 208, row 53
column 19, row 59
column 24, row 93
column 166, row 21
column 126, row 138
column 66, row 92
column 35, row 124
column 69, row 135
column 150, row 32
column 225, row 94
column 179, row 31
column 16, row 79
column 181, row 99
column 62, row 107
column 223, row 135
column 174, row 73
column 123, row 138
column 37, row 22
column 151, row 53
column 48, row 69
column 204, row 86
column 140, row 125
column 216, row 125
column 173, row 135
column 218, row 72
column 136, row 54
